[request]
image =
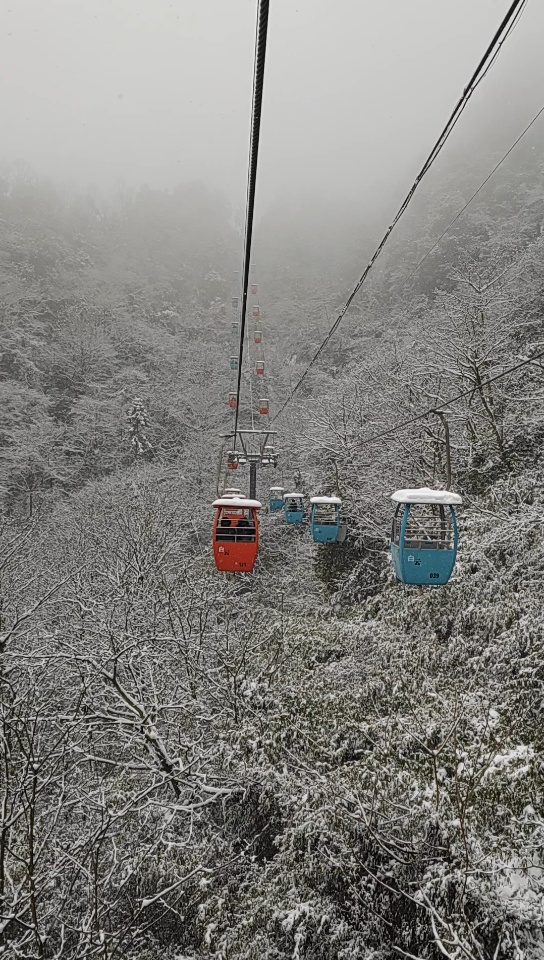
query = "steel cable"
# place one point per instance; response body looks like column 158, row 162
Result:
column 509, row 21
column 474, row 195
column 446, row 403
column 258, row 82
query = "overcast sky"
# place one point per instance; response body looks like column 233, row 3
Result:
column 159, row 92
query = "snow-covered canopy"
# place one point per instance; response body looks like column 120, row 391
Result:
column 293, row 496
column 326, row 500
column 276, row 490
column 426, row 495
column 237, row 502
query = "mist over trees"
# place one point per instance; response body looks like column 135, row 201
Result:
column 311, row 761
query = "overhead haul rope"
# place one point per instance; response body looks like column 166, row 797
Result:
column 258, row 79
column 509, row 22
column 447, row 403
column 474, row 195
column 484, row 383
column 537, row 356
column 466, row 393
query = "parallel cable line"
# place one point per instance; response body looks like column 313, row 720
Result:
column 258, row 80
column 508, row 22
column 537, row 356
column 474, row 195
column 447, row 403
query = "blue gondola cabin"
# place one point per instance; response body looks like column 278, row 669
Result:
column 276, row 498
column 424, row 535
column 234, row 363
column 294, row 507
column 325, row 519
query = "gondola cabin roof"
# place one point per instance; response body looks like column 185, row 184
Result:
column 293, row 496
column 426, row 495
column 237, row 502
column 324, row 500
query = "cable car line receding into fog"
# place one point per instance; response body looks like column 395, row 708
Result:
column 235, row 548
column 509, row 21
column 434, row 541
column 258, row 80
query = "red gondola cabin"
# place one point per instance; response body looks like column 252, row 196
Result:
column 263, row 405
column 232, row 460
column 235, row 534
column 254, row 288
column 257, row 336
column 259, row 366
column 232, row 400
column 255, row 310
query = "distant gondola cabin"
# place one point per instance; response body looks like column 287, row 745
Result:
column 235, row 327
column 235, row 534
column 232, row 401
column 424, row 535
column 234, row 363
column 254, row 289
column 294, row 507
column 255, row 310
column 263, row 405
column 232, row 492
column 232, row 460
column 325, row 519
column 276, row 498
column 259, row 366
column 268, row 456
column 257, row 336
column 235, row 303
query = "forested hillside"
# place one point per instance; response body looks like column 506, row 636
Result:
column 312, row 760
